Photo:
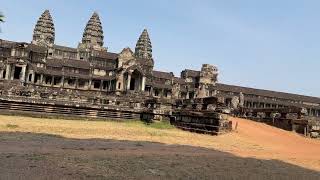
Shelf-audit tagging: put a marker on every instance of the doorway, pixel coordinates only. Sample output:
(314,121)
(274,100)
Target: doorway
(17,72)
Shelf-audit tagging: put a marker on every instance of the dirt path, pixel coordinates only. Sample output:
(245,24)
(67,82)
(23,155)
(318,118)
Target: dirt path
(60,149)
(281,144)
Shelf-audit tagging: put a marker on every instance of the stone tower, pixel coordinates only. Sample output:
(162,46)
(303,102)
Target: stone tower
(93,33)
(43,33)
(143,46)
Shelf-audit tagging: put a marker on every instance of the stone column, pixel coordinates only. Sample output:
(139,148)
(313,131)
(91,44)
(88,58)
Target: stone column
(77,83)
(143,83)
(89,84)
(41,79)
(52,80)
(109,85)
(13,52)
(151,91)
(128,81)
(62,82)
(23,73)
(12,69)
(8,68)
(101,85)
(33,77)
(1,74)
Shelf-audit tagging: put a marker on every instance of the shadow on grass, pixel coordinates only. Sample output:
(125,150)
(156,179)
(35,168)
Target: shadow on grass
(46,156)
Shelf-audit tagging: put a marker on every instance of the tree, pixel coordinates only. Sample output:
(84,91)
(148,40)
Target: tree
(1,17)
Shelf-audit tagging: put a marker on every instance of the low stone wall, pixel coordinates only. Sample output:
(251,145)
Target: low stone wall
(36,108)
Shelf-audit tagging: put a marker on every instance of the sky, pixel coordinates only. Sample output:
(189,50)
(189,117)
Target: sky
(266,44)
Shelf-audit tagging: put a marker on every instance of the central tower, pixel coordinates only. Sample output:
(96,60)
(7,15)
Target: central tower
(93,34)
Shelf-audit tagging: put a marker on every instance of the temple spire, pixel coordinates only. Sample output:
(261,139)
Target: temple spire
(93,33)
(143,46)
(43,33)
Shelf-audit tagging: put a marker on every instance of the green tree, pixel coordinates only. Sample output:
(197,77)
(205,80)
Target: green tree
(1,17)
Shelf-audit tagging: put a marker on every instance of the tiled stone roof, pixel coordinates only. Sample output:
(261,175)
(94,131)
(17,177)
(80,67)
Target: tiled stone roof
(65,48)
(162,75)
(267,93)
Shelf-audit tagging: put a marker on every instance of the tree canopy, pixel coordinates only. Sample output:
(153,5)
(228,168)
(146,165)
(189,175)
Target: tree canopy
(1,17)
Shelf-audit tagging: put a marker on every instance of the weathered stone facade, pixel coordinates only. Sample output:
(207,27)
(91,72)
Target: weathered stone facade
(42,70)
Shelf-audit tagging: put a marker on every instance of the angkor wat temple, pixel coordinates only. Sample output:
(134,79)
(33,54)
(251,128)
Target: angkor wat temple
(90,75)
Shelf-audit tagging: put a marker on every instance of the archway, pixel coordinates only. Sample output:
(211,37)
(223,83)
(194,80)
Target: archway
(135,81)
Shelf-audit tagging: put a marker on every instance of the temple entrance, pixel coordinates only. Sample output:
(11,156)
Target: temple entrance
(132,84)
(135,81)
(37,78)
(17,72)
(4,74)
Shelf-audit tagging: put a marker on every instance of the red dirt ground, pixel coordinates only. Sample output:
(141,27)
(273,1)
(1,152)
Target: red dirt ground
(59,149)
(281,144)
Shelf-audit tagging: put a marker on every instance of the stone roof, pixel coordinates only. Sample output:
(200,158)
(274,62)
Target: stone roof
(267,93)
(77,63)
(162,75)
(7,44)
(179,80)
(36,48)
(105,55)
(68,63)
(70,74)
(55,62)
(52,72)
(190,73)
(158,85)
(65,48)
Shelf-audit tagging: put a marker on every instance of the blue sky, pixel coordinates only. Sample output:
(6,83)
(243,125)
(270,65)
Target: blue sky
(268,44)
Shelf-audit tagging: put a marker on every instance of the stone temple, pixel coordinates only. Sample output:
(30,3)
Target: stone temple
(46,73)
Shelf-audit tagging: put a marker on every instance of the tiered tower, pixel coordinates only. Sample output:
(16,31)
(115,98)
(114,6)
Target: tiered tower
(93,33)
(43,33)
(143,46)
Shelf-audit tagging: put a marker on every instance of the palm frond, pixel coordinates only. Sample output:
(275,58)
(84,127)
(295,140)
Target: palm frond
(1,18)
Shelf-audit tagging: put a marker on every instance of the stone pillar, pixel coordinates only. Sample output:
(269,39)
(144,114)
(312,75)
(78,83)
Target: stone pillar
(1,74)
(52,80)
(8,68)
(76,83)
(62,82)
(89,84)
(13,52)
(128,81)
(101,85)
(143,83)
(151,91)
(41,78)
(33,77)
(109,85)
(23,73)
(12,69)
